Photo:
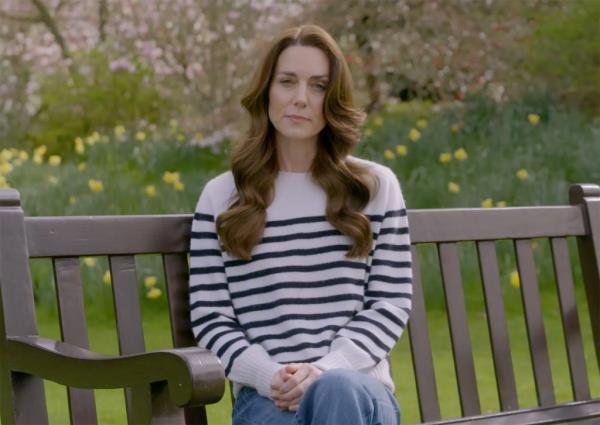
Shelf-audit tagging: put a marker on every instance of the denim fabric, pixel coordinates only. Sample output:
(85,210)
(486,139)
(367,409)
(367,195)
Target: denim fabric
(337,397)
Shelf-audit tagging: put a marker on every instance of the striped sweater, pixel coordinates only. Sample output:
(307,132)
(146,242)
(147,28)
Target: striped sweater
(300,299)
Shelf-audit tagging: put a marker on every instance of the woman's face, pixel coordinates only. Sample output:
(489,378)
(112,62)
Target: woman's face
(298,90)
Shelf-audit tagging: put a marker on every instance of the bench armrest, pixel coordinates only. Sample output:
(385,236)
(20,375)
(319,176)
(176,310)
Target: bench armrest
(194,376)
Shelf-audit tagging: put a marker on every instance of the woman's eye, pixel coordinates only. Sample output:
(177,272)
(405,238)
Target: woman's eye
(321,87)
(285,81)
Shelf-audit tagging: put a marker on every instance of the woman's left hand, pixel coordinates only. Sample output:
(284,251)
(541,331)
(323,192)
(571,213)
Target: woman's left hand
(292,390)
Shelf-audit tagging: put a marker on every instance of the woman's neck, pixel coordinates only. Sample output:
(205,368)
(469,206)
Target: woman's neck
(296,155)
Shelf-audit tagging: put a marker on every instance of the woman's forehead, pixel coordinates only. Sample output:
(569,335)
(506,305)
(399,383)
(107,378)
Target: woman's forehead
(303,61)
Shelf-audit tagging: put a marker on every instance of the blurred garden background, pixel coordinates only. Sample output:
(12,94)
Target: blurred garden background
(130,106)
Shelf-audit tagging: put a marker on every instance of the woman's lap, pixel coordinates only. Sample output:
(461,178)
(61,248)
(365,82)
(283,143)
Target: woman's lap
(338,397)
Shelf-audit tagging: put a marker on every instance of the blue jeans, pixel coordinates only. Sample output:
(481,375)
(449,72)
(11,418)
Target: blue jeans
(337,397)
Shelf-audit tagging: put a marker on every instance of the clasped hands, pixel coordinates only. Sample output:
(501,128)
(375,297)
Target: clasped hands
(290,383)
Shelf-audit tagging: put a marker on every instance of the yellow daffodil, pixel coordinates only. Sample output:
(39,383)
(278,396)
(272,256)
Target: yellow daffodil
(54,160)
(487,203)
(515,280)
(6,155)
(72,200)
(6,168)
(119,131)
(533,119)
(150,282)
(445,157)
(173,123)
(501,204)
(38,159)
(24,156)
(178,186)
(455,128)
(460,154)
(140,136)
(414,134)
(154,293)
(3,183)
(401,150)
(40,150)
(106,278)
(89,261)
(171,177)
(453,187)
(79,146)
(150,190)
(368,132)
(95,185)
(180,137)
(199,135)
(388,154)
(92,139)
(422,123)
(53,180)
(81,166)
(378,121)
(523,174)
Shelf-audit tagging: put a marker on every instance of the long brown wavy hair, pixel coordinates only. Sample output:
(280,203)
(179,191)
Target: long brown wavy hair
(348,185)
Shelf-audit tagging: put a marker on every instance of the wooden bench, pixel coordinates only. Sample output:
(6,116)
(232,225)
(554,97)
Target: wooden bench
(171,386)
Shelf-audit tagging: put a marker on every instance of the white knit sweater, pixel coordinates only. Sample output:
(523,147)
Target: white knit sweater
(300,299)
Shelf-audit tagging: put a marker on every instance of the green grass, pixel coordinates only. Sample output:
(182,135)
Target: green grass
(110,403)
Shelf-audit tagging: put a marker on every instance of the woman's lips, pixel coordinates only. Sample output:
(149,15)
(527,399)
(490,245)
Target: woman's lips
(297,118)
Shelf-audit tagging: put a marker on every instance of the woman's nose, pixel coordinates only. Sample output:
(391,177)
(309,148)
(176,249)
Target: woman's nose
(300,95)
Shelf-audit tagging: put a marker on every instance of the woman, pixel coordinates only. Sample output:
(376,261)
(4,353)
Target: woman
(300,278)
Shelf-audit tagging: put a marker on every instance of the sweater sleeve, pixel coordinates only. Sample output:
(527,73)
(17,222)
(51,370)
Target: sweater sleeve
(214,323)
(372,332)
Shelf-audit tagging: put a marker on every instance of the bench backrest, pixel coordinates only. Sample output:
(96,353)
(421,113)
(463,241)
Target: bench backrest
(121,238)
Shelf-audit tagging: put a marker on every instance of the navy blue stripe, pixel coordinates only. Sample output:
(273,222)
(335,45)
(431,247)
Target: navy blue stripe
(203,235)
(389,279)
(214,325)
(299,347)
(298,268)
(207,270)
(293,332)
(204,319)
(381,326)
(390,213)
(386,313)
(290,285)
(366,350)
(205,252)
(298,220)
(211,303)
(394,231)
(299,301)
(369,335)
(232,358)
(216,336)
(393,247)
(306,235)
(296,316)
(208,287)
(390,263)
(228,344)
(289,253)
(387,294)
(204,217)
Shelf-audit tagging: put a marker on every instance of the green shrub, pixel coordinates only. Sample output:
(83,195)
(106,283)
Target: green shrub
(564,52)
(94,97)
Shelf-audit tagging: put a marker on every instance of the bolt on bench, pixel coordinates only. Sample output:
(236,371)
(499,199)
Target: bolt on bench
(172,386)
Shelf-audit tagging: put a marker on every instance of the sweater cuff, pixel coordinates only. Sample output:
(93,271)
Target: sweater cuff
(344,354)
(255,368)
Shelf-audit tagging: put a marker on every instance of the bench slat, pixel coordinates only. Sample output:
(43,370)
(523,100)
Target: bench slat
(459,331)
(494,306)
(570,320)
(176,273)
(129,329)
(420,348)
(474,224)
(69,294)
(535,325)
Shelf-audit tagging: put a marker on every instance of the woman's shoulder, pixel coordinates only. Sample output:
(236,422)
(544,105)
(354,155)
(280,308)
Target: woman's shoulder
(220,190)
(384,174)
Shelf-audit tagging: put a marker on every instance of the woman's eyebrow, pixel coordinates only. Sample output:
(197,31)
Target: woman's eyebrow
(293,74)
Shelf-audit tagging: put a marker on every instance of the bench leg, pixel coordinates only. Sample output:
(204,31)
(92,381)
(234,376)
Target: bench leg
(22,399)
